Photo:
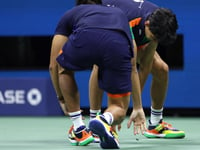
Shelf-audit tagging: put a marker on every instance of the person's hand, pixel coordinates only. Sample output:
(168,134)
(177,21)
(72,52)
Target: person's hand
(138,118)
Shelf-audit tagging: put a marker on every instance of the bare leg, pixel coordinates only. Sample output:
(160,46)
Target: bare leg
(118,108)
(159,82)
(95,93)
(62,105)
(70,91)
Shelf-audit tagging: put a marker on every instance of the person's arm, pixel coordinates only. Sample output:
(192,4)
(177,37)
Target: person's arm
(136,90)
(137,116)
(145,59)
(57,44)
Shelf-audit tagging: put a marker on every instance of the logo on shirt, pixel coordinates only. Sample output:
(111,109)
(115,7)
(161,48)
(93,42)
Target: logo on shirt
(139,1)
(109,5)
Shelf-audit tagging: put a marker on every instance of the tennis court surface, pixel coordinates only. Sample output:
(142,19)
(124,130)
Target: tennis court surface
(50,133)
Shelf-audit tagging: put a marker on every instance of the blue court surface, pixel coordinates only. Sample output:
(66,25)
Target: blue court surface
(50,133)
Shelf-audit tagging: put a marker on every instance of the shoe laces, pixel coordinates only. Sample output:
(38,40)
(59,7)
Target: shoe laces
(82,136)
(85,132)
(166,125)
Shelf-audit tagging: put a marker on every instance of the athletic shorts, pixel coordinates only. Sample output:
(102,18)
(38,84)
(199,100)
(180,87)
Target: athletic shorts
(108,49)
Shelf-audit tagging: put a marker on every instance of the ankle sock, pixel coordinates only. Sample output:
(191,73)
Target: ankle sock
(108,117)
(77,120)
(156,116)
(93,113)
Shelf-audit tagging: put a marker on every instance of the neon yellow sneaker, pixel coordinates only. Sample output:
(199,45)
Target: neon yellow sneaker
(163,130)
(100,127)
(80,137)
(97,139)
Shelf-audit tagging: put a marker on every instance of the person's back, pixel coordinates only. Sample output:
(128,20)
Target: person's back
(132,8)
(93,16)
(137,13)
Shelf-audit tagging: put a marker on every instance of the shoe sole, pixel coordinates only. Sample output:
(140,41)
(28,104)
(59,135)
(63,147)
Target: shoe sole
(73,142)
(96,140)
(82,143)
(166,136)
(86,141)
(107,141)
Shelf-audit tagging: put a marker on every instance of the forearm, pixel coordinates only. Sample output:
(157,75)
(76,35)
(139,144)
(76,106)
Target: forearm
(146,57)
(55,81)
(143,75)
(57,44)
(136,90)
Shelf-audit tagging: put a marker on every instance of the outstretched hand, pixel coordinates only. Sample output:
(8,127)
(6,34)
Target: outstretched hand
(138,118)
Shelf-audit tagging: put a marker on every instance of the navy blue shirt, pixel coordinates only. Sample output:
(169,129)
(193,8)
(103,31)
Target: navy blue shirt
(93,16)
(137,12)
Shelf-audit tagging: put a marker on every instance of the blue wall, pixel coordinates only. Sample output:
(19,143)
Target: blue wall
(31,17)
(184,85)
(36,17)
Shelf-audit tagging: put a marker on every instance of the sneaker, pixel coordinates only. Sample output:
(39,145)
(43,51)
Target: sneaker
(71,136)
(100,127)
(114,132)
(163,130)
(80,137)
(96,138)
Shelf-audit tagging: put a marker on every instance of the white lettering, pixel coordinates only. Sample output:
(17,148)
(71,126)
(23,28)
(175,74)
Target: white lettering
(1,98)
(9,97)
(12,97)
(139,1)
(19,96)
(34,96)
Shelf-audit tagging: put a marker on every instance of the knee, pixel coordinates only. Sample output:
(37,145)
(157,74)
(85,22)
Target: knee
(161,71)
(118,108)
(164,69)
(120,117)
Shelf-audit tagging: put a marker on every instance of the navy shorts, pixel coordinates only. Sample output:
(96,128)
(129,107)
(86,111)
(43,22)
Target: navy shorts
(108,49)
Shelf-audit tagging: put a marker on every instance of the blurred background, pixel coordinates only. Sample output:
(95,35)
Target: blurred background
(26,31)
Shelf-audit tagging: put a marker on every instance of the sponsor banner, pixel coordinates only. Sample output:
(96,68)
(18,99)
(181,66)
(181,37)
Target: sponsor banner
(28,96)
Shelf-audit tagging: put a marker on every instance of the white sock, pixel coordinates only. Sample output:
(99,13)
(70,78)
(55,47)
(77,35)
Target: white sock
(108,117)
(76,118)
(93,113)
(156,116)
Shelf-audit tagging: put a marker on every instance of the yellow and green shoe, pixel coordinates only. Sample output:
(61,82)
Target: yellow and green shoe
(100,127)
(80,137)
(163,130)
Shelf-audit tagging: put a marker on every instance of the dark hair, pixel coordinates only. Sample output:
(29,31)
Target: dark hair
(79,2)
(163,24)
